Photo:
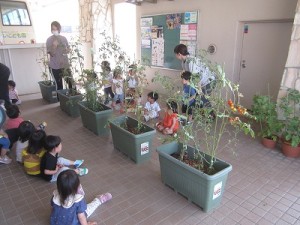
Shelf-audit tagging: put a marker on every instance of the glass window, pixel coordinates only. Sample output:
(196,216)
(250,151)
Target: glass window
(14,14)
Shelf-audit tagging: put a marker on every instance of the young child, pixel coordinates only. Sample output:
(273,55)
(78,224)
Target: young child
(118,82)
(170,123)
(132,81)
(52,164)
(13,93)
(14,119)
(151,109)
(189,95)
(108,78)
(4,140)
(68,204)
(32,155)
(25,130)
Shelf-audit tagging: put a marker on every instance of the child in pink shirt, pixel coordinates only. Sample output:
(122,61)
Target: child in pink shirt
(14,119)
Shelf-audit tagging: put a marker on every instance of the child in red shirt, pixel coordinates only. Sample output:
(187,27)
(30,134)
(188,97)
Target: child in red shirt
(170,123)
(14,119)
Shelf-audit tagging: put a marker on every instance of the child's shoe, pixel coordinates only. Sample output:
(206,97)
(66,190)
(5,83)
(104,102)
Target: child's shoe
(5,160)
(82,171)
(105,197)
(78,163)
(42,125)
(147,118)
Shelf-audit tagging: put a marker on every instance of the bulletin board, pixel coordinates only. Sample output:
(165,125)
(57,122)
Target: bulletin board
(161,33)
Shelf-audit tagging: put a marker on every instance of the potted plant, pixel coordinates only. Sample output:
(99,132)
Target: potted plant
(264,109)
(94,114)
(130,135)
(189,164)
(69,97)
(289,105)
(47,85)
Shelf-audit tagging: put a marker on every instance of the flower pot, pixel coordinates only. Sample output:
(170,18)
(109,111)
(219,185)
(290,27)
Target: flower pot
(48,92)
(68,104)
(204,190)
(95,121)
(289,151)
(136,146)
(268,143)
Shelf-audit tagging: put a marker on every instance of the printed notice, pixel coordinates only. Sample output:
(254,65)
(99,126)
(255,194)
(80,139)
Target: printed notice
(146,22)
(190,17)
(158,52)
(144,148)
(217,190)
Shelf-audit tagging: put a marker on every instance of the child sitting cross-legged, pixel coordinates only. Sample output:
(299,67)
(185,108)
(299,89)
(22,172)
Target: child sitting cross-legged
(151,109)
(31,156)
(170,123)
(14,119)
(52,164)
(68,204)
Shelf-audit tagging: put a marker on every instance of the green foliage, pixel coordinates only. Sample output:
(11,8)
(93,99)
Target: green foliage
(264,109)
(223,120)
(43,61)
(291,124)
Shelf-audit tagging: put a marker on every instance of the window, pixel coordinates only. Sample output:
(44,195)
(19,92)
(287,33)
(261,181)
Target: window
(14,14)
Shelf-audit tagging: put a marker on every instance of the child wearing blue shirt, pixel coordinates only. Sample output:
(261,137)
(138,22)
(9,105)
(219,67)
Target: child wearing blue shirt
(189,95)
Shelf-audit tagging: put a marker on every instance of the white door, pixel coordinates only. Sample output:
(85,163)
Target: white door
(264,52)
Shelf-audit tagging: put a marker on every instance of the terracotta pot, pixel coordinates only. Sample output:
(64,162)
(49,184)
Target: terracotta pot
(289,151)
(268,143)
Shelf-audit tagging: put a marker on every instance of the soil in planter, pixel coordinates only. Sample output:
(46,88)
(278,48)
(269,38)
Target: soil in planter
(197,164)
(133,129)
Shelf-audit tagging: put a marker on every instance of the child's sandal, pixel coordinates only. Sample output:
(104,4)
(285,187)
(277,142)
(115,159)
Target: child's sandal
(82,171)
(78,163)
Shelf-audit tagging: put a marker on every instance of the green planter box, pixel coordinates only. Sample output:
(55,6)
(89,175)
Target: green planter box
(136,146)
(204,190)
(69,104)
(95,121)
(48,92)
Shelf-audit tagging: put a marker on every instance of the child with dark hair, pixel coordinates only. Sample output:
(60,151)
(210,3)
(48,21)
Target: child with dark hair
(189,95)
(25,130)
(170,123)
(14,119)
(52,164)
(13,93)
(151,109)
(68,204)
(108,80)
(34,152)
(118,83)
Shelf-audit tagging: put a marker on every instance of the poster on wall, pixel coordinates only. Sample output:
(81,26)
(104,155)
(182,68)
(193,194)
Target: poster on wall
(190,17)
(146,22)
(173,21)
(158,49)
(188,32)
(145,37)
(156,32)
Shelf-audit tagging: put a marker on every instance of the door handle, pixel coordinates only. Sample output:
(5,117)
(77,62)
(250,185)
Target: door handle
(243,64)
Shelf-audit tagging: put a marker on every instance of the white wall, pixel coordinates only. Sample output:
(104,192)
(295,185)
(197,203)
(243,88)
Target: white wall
(218,22)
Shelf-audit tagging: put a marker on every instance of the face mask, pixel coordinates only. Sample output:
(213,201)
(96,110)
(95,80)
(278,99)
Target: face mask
(55,32)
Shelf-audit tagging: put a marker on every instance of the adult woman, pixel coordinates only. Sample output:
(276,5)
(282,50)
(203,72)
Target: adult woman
(58,48)
(195,66)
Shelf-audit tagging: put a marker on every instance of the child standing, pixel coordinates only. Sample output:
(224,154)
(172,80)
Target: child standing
(25,130)
(108,78)
(118,82)
(13,113)
(52,164)
(170,123)
(13,93)
(189,95)
(151,109)
(131,80)
(34,152)
(68,204)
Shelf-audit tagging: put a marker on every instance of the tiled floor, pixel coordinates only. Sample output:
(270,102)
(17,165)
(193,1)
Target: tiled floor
(263,187)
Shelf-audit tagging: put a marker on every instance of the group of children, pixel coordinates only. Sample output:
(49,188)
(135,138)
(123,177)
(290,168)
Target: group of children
(40,155)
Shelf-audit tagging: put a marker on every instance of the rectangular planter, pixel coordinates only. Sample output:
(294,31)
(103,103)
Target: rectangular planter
(136,146)
(48,92)
(69,104)
(204,190)
(95,121)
